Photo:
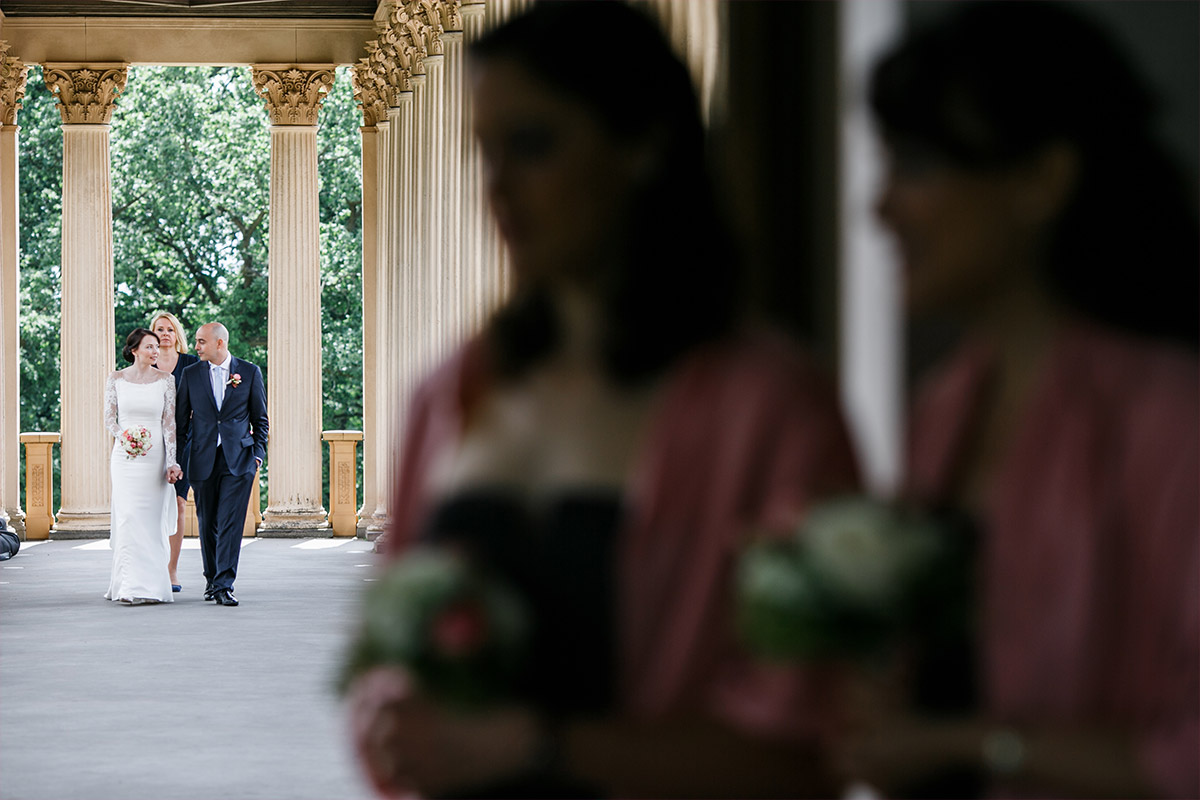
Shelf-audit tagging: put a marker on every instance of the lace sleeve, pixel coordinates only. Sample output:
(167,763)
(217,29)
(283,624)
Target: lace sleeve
(110,405)
(168,422)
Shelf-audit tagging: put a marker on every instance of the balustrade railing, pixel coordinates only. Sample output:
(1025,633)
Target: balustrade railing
(343,487)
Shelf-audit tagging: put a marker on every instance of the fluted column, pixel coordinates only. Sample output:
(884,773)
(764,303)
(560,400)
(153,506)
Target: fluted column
(393,58)
(86,99)
(473,212)
(293,94)
(367,93)
(12,91)
(384,277)
(496,268)
(405,283)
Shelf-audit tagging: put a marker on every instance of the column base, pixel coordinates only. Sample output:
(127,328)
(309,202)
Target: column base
(295,525)
(366,530)
(81,525)
(16,521)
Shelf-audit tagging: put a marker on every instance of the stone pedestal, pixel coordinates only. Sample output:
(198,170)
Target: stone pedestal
(87,95)
(293,94)
(343,483)
(39,483)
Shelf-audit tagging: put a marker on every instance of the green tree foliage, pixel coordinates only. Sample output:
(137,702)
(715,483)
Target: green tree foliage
(41,255)
(191,170)
(190,154)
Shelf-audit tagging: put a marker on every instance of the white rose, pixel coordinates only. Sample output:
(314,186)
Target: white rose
(864,550)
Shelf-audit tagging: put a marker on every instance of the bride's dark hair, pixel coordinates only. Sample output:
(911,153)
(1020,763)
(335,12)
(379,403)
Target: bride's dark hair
(134,340)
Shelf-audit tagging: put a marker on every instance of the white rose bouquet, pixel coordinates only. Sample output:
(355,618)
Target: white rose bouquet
(135,441)
(855,576)
(461,633)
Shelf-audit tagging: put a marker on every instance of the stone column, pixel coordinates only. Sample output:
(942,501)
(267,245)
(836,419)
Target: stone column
(367,93)
(86,99)
(473,211)
(404,280)
(293,94)
(455,165)
(382,441)
(12,91)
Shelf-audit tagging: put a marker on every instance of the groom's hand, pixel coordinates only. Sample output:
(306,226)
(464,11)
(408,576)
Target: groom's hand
(174,474)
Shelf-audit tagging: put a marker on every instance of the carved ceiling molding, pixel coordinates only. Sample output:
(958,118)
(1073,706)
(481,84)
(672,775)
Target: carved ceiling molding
(13,72)
(293,92)
(87,93)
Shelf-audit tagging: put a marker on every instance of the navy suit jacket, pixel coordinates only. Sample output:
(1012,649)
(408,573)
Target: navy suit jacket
(242,420)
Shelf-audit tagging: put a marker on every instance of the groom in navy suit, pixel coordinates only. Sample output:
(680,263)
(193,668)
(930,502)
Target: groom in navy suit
(221,408)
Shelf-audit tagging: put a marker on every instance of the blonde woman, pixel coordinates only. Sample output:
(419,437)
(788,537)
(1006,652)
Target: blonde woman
(173,357)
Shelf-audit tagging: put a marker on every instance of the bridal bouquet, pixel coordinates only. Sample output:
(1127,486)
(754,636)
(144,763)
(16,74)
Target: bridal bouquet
(460,633)
(854,576)
(135,441)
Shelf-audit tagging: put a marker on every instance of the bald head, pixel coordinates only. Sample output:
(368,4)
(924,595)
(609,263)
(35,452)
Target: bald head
(212,343)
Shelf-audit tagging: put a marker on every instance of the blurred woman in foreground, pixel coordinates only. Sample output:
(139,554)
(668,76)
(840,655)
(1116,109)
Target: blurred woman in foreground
(1032,205)
(607,444)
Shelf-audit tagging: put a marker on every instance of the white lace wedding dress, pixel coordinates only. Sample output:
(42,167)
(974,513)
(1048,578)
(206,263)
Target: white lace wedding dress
(144,512)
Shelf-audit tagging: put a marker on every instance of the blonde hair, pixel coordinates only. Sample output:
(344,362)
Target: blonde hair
(180,336)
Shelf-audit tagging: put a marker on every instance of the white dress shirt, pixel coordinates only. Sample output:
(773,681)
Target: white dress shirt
(219,375)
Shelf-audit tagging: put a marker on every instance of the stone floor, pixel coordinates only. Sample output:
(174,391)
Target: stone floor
(181,701)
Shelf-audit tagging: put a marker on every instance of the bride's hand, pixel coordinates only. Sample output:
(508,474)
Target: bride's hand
(174,474)
(408,743)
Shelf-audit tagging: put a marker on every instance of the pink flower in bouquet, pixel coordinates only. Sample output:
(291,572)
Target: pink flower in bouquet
(460,630)
(135,441)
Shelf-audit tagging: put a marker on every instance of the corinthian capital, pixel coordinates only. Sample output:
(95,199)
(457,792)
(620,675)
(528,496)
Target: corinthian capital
(293,91)
(369,92)
(12,85)
(87,93)
(448,14)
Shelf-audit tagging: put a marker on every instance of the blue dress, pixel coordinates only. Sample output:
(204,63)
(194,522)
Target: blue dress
(181,486)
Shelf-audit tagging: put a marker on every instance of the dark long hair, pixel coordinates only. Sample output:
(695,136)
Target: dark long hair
(677,284)
(991,83)
(134,340)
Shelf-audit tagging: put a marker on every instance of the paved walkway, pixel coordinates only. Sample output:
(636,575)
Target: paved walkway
(186,701)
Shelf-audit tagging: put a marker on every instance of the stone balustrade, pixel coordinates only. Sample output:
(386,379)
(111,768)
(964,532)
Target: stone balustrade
(343,488)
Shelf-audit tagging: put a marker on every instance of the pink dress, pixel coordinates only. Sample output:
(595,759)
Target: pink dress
(1091,548)
(748,434)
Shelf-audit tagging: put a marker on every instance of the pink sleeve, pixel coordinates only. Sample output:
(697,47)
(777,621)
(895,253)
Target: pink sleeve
(803,455)
(1162,476)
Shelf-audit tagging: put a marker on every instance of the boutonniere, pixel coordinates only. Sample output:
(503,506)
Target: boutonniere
(235,380)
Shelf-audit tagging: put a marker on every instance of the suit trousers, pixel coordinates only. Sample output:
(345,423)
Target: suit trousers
(221,501)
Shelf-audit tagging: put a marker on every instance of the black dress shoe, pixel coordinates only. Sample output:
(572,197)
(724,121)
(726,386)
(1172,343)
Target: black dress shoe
(210,593)
(225,597)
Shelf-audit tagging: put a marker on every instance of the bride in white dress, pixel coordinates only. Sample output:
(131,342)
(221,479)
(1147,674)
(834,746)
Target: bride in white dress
(143,502)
